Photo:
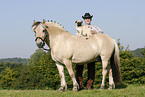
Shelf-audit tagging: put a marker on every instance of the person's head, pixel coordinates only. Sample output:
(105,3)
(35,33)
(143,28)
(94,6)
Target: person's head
(87,18)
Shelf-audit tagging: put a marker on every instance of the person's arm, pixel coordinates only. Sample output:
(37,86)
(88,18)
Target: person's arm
(97,29)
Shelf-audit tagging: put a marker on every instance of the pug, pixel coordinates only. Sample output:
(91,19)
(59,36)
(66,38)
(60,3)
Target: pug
(79,25)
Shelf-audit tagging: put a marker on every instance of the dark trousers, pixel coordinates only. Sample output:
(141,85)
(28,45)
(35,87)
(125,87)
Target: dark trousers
(91,75)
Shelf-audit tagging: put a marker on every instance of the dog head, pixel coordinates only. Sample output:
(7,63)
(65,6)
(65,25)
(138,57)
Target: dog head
(79,23)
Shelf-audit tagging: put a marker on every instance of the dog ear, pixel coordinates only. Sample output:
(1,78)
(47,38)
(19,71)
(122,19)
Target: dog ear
(34,22)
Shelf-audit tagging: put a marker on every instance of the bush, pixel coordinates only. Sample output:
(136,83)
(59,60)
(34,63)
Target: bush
(8,77)
(40,73)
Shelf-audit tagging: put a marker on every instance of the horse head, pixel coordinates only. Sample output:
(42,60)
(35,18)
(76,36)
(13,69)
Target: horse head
(40,33)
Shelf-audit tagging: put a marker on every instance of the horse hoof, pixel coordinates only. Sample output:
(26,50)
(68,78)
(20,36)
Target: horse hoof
(75,89)
(61,89)
(102,87)
(111,87)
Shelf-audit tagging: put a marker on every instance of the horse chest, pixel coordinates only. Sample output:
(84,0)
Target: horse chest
(58,57)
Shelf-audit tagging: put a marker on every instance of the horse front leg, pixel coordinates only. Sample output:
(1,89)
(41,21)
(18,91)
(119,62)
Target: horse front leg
(68,64)
(62,77)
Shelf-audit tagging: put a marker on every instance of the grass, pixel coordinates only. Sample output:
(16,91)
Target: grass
(129,91)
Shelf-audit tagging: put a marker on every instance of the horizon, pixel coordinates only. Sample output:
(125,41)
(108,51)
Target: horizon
(44,50)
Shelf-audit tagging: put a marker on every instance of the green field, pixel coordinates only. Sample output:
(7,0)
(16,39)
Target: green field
(129,91)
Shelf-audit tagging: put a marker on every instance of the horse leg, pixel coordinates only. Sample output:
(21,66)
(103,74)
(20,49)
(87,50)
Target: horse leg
(111,82)
(68,64)
(62,77)
(104,72)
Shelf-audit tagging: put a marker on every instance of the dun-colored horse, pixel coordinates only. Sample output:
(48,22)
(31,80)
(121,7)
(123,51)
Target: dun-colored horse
(67,49)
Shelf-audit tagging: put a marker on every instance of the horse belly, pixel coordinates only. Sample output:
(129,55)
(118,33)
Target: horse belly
(82,58)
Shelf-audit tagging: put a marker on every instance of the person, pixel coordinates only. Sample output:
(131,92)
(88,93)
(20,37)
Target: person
(86,30)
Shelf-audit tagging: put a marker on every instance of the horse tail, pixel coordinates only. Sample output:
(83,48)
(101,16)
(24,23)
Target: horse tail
(115,64)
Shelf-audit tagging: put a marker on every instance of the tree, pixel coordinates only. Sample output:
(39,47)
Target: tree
(132,67)
(143,52)
(40,72)
(8,77)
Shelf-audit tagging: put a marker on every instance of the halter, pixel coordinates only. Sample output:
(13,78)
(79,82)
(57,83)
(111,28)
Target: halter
(43,40)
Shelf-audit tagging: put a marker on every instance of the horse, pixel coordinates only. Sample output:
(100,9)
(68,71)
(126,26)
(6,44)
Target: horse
(67,49)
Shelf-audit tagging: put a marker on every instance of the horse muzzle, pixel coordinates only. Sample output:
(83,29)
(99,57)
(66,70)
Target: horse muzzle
(40,44)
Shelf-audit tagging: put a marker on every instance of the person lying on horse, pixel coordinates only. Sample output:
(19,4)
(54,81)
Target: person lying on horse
(86,30)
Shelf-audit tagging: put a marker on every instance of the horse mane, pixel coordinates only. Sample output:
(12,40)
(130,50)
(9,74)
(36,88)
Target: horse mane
(50,23)
(55,24)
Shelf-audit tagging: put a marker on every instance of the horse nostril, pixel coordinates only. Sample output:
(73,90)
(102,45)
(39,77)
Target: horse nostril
(39,44)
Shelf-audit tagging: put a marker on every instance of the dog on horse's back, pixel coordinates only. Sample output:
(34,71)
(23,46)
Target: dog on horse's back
(81,29)
(79,25)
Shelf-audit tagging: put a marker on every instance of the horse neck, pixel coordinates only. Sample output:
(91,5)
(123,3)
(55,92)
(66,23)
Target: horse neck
(55,32)
(55,29)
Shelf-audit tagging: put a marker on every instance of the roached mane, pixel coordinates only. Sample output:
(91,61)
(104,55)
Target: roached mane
(55,24)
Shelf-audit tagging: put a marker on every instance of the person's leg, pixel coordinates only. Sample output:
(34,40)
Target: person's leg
(91,75)
(79,77)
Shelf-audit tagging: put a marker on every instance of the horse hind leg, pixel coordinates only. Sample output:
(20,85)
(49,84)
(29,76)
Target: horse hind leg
(62,77)
(104,72)
(111,82)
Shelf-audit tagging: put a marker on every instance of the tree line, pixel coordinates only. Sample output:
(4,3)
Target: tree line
(15,60)
(40,72)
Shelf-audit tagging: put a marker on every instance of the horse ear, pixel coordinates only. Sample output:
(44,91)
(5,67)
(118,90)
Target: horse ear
(34,22)
(44,21)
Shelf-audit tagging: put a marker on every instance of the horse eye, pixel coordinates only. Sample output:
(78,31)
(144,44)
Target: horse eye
(44,30)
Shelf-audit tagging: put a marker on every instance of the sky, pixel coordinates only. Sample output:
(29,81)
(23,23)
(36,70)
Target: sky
(120,19)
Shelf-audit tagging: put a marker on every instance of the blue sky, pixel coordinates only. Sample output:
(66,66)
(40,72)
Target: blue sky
(120,19)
